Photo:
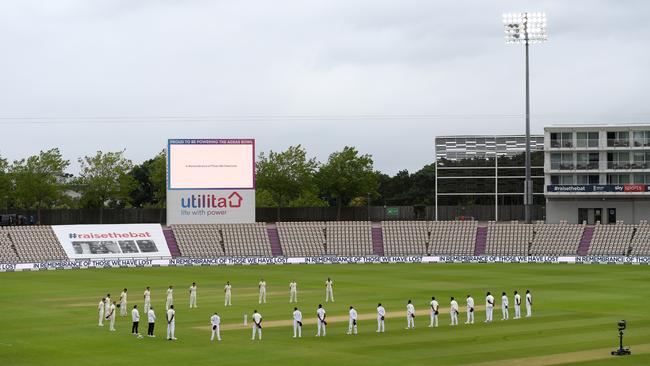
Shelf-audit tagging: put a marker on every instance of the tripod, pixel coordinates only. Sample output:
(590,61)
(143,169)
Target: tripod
(621,351)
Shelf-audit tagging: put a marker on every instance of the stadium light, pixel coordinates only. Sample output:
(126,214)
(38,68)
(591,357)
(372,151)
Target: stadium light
(527,28)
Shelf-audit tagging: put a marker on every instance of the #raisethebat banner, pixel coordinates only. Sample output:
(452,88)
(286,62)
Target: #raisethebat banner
(112,241)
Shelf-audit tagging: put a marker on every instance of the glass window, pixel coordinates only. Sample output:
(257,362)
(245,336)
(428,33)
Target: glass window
(555,179)
(588,179)
(555,160)
(555,141)
(618,160)
(587,139)
(638,138)
(587,160)
(618,139)
(640,178)
(618,178)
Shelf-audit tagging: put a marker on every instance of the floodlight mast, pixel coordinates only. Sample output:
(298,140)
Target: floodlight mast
(526,28)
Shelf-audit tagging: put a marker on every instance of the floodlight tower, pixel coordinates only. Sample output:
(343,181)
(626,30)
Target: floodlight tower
(527,28)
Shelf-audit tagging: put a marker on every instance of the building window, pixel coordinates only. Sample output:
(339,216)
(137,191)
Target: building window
(587,139)
(587,160)
(618,139)
(562,140)
(562,161)
(641,178)
(618,178)
(640,160)
(588,179)
(618,160)
(561,179)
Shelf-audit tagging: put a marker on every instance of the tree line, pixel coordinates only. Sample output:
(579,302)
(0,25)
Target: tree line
(288,178)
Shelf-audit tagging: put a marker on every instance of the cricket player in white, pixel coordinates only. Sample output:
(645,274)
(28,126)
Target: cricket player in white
(100,309)
(517,305)
(111,317)
(329,293)
(470,310)
(193,295)
(215,320)
(135,317)
(123,303)
(226,290)
(147,300)
(257,324)
(453,311)
(320,313)
(529,304)
(170,297)
(352,325)
(293,291)
(107,303)
(297,323)
(410,315)
(171,323)
(262,286)
(504,307)
(151,317)
(381,315)
(434,312)
(489,307)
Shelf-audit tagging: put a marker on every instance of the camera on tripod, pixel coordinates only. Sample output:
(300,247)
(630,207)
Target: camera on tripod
(621,325)
(621,351)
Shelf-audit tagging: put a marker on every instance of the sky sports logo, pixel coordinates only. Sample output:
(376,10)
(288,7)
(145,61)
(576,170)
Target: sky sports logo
(113,235)
(233,200)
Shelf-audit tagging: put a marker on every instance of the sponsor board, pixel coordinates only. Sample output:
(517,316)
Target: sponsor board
(596,188)
(112,241)
(231,261)
(210,206)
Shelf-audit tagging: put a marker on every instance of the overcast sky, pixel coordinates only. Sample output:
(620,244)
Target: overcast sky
(384,76)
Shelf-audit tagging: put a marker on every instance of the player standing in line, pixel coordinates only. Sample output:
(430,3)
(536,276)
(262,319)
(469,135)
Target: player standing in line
(352,325)
(504,307)
(489,306)
(297,323)
(135,317)
(434,312)
(170,297)
(215,320)
(381,315)
(226,290)
(111,317)
(320,313)
(293,291)
(262,287)
(123,303)
(529,304)
(453,311)
(517,305)
(107,304)
(193,296)
(410,315)
(329,293)
(470,310)
(100,309)
(151,318)
(171,323)
(147,299)
(257,324)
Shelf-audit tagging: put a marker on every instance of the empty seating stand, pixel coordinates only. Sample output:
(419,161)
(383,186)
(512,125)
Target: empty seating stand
(508,239)
(405,237)
(349,238)
(452,237)
(231,240)
(199,241)
(7,249)
(641,241)
(33,243)
(302,239)
(611,239)
(556,239)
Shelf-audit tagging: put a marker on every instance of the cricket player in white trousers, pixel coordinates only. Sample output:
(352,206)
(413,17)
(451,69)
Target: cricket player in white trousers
(434,312)
(147,299)
(381,315)
(123,303)
(410,315)
(293,291)
(489,307)
(320,313)
(453,311)
(193,295)
(529,304)
(135,318)
(352,325)
(151,317)
(297,323)
(470,310)
(329,293)
(215,321)
(170,297)
(107,304)
(111,317)
(171,323)
(226,290)
(257,324)
(100,309)
(262,286)
(505,314)
(517,305)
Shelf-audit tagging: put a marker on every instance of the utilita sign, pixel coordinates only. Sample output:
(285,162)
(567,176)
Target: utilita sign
(210,206)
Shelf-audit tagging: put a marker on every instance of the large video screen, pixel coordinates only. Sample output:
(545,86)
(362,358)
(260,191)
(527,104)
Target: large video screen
(211,164)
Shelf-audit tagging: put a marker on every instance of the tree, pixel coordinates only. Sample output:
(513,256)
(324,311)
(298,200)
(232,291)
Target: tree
(286,175)
(40,180)
(104,181)
(347,175)
(5,184)
(149,179)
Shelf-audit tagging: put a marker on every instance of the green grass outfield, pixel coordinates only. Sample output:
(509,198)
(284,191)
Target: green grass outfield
(50,318)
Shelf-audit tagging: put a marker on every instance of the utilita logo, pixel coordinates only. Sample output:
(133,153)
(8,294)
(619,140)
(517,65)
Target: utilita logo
(233,200)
